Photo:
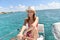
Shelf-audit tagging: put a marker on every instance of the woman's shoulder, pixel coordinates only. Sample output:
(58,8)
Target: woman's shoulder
(26,19)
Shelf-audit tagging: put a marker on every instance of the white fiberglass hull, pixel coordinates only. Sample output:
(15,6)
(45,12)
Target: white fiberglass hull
(40,38)
(56,30)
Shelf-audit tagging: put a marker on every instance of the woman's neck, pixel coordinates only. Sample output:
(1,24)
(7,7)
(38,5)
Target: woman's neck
(31,18)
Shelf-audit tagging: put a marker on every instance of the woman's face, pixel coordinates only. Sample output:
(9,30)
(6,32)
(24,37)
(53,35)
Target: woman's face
(30,13)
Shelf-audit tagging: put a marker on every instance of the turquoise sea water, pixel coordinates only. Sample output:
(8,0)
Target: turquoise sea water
(9,23)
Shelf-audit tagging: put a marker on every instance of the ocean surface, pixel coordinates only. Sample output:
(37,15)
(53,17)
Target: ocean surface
(9,23)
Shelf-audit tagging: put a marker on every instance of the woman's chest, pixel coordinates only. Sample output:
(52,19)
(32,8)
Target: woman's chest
(30,22)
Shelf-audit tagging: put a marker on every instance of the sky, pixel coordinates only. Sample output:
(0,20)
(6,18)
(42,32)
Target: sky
(21,5)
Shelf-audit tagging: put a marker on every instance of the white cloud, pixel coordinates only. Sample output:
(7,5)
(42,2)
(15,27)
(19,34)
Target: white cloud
(20,7)
(11,7)
(1,7)
(52,5)
(42,6)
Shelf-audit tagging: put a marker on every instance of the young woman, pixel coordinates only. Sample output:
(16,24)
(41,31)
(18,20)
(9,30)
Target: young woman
(32,32)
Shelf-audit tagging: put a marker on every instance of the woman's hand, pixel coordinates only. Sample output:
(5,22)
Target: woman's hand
(25,32)
(19,36)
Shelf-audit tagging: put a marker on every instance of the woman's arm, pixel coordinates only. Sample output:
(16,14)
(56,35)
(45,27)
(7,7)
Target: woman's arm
(31,28)
(22,30)
(23,27)
(36,21)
